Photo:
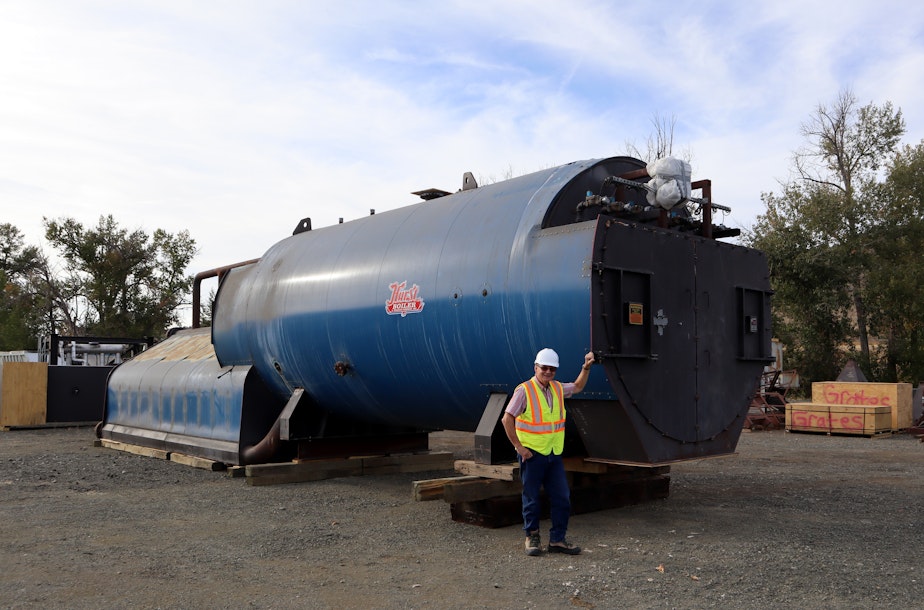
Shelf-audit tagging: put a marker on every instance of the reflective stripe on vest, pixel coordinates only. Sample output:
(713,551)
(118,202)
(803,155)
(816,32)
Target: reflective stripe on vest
(541,426)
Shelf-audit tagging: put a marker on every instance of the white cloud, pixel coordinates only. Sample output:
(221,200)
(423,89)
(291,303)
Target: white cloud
(235,120)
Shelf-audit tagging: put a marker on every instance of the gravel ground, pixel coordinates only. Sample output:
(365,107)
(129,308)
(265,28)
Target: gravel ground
(793,520)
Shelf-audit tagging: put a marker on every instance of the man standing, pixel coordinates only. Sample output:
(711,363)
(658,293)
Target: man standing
(535,423)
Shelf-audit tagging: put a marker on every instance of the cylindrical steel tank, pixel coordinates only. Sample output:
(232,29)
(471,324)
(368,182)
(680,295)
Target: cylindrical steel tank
(475,287)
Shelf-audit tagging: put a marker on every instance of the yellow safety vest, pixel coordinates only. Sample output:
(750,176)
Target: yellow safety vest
(541,426)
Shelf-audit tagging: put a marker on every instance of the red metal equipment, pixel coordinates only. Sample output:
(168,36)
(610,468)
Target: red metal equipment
(768,407)
(918,428)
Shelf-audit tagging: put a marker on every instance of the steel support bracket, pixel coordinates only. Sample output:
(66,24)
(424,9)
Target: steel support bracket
(491,443)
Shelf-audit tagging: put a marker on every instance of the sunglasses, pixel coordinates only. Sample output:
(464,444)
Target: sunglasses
(547,369)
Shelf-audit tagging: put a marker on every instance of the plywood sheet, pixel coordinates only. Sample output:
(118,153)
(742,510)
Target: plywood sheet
(896,396)
(838,419)
(23,393)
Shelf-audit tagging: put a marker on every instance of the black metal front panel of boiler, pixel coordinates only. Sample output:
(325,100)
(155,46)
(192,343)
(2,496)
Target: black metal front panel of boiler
(683,326)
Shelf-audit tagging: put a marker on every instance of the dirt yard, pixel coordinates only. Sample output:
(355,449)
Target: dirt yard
(793,520)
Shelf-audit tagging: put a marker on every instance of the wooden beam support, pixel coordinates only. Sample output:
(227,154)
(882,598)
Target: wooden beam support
(197,462)
(316,470)
(432,489)
(135,449)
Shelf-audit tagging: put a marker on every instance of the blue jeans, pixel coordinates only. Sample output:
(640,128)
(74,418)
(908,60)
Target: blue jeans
(545,471)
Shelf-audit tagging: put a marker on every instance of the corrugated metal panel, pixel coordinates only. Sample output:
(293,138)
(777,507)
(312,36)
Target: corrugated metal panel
(176,396)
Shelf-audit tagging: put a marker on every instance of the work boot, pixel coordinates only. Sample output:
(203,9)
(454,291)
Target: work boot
(533,544)
(564,547)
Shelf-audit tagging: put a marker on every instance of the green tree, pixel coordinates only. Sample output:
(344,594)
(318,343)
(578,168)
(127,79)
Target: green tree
(207,309)
(897,245)
(120,283)
(811,303)
(824,235)
(16,259)
(17,303)
(845,147)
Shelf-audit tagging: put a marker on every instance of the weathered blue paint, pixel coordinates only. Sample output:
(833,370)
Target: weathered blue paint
(494,289)
(176,396)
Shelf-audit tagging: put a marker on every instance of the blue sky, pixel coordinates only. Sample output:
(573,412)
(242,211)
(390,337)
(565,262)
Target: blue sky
(236,119)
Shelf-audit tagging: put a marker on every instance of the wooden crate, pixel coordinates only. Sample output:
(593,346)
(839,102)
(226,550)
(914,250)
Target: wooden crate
(838,419)
(23,393)
(895,396)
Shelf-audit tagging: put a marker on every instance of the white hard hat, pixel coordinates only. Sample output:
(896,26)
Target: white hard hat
(547,357)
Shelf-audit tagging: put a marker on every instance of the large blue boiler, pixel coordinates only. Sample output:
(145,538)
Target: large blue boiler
(411,320)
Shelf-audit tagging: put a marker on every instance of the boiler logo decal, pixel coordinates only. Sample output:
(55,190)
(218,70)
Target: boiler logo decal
(403,300)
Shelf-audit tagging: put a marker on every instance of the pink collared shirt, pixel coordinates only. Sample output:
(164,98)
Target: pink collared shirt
(517,403)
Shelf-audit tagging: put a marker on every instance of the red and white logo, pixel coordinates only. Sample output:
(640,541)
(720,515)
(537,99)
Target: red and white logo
(403,300)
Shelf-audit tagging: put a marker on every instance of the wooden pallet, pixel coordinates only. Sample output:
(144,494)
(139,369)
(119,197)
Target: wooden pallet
(506,510)
(489,495)
(879,434)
